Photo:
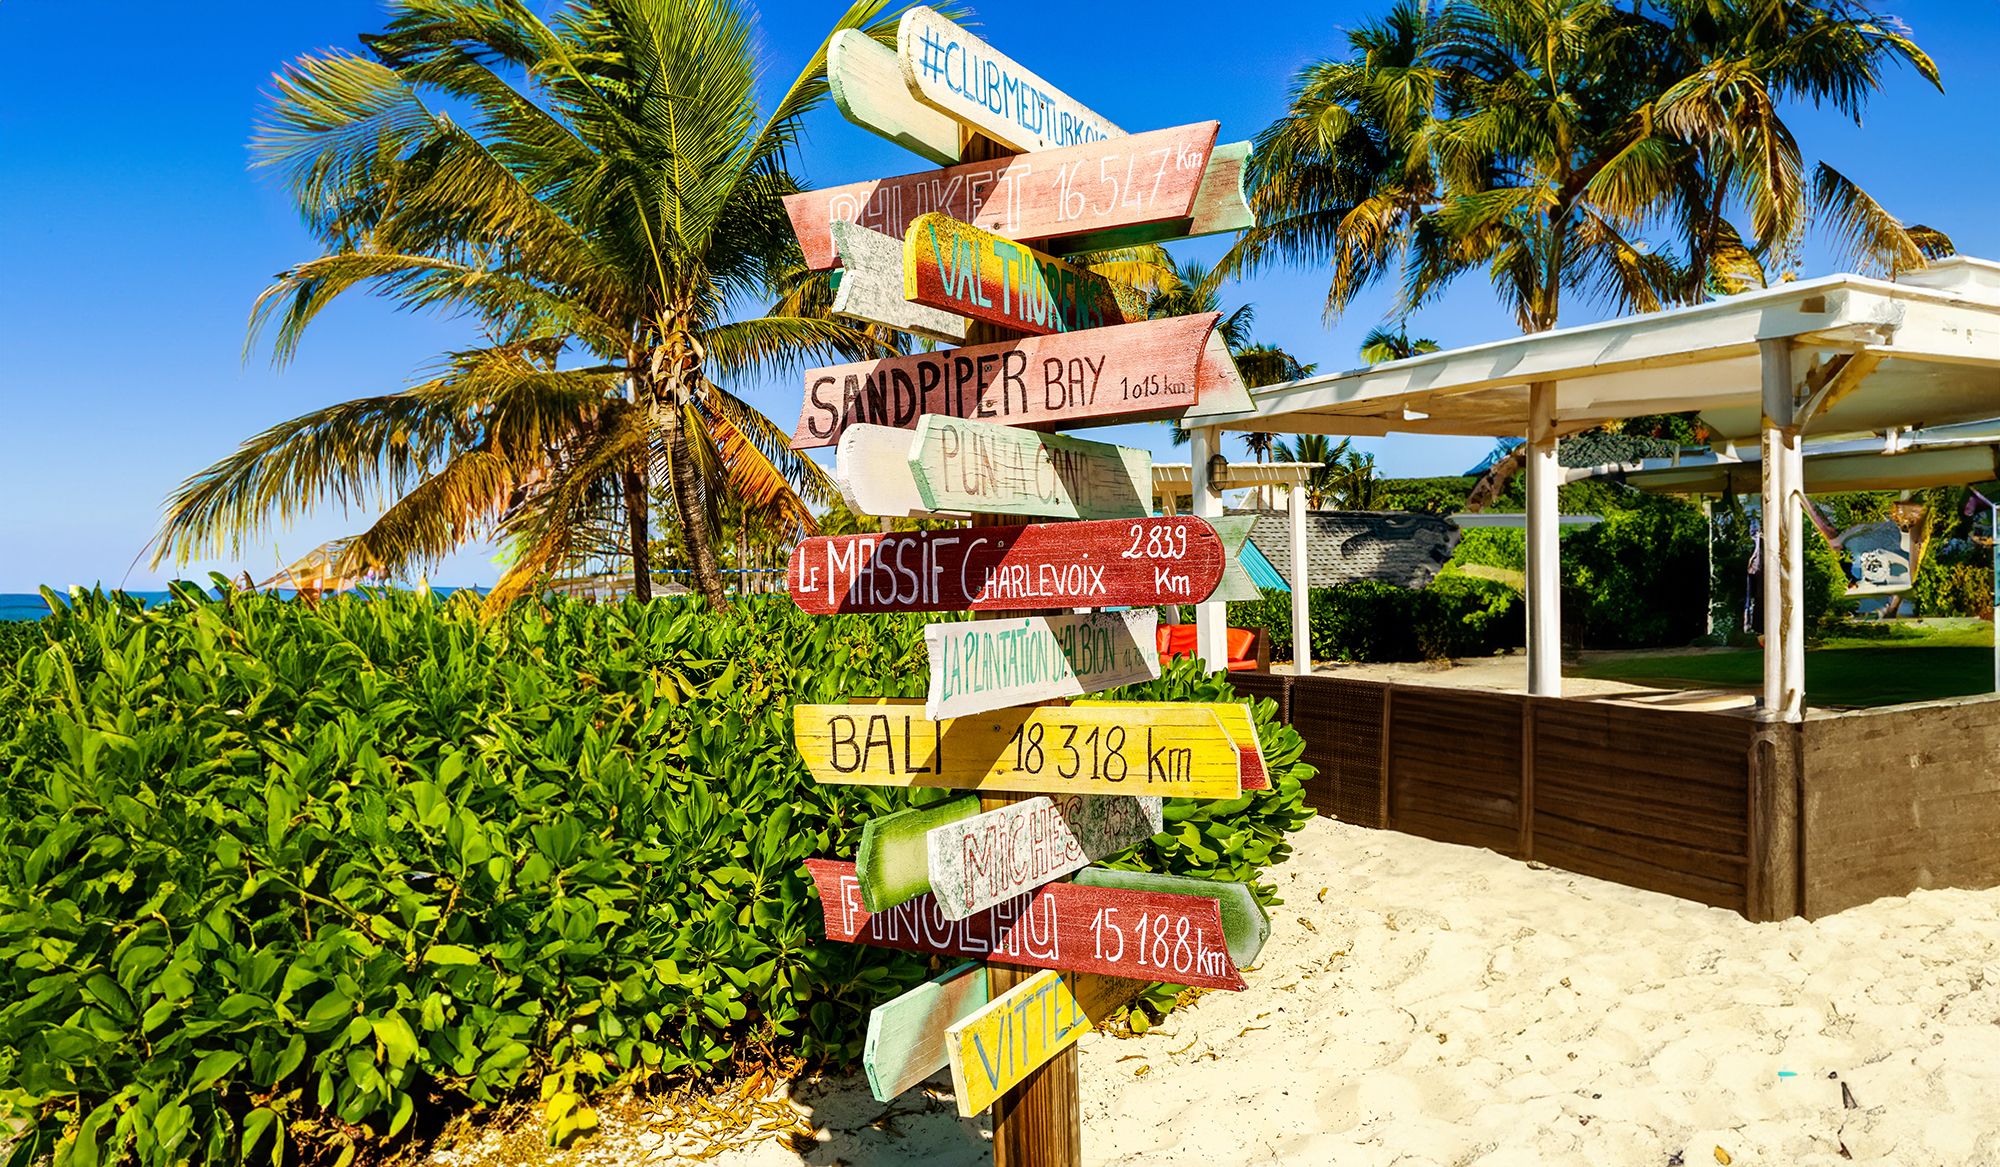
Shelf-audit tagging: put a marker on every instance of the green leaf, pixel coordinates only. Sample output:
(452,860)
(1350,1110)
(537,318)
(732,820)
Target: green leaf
(450,954)
(212,1068)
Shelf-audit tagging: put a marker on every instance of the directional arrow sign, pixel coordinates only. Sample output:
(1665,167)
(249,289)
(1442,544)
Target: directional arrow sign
(1245,923)
(978,666)
(893,862)
(1236,584)
(992,1050)
(1159,181)
(949,69)
(962,465)
(868,89)
(985,859)
(954,267)
(1130,372)
(869,287)
(872,467)
(1236,722)
(1141,935)
(906,1036)
(1165,749)
(1106,563)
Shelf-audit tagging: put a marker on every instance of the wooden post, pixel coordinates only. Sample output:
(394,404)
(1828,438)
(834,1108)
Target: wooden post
(1783,542)
(1039,1123)
(1544,546)
(1302,656)
(1210,619)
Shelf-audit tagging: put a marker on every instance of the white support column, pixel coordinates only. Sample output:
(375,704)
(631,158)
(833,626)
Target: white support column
(1302,655)
(1544,531)
(1784,540)
(1210,619)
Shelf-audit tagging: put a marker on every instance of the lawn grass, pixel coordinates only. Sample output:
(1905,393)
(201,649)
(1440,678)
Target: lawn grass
(1859,666)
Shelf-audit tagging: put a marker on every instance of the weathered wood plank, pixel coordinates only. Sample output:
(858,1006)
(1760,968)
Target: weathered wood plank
(1116,932)
(985,859)
(953,71)
(962,465)
(1220,205)
(992,1050)
(1236,721)
(906,1036)
(1096,564)
(872,468)
(1166,749)
(1235,584)
(868,286)
(1151,186)
(1107,376)
(893,862)
(979,666)
(1245,923)
(1218,383)
(951,266)
(868,89)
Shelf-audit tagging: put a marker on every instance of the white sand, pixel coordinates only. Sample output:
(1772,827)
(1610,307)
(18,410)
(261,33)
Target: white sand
(1442,1005)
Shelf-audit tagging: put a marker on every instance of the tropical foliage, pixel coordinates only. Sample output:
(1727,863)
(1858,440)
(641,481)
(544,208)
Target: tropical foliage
(282,884)
(601,193)
(1345,477)
(1187,288)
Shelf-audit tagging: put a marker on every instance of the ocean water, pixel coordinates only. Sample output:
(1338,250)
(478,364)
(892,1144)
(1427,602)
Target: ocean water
(31,606)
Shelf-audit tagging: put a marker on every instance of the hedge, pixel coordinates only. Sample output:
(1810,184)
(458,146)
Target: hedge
(1368,621)
(291,884)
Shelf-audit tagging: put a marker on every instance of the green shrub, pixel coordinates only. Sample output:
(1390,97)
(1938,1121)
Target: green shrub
(1502,547)
(282,879)
(1368,621)
(1955,581)
(1429,496)
(18,637)
(1639,578)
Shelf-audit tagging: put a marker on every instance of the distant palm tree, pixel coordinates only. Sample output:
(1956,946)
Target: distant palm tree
(1573,146)
(601,184)
(1382,344)
(1184,289)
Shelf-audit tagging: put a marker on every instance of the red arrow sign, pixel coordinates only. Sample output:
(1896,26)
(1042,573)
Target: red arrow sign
(1150,936)
(1129,372)
(1097,564)
(1047,195)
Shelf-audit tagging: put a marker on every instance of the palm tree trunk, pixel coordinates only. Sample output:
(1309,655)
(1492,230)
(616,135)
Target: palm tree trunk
(685,492)
(636,504)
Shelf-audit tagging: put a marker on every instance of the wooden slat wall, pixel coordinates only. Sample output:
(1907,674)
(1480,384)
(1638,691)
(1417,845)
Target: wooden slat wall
(1341,722)
(1455,766)
(1275,686)
(1900,799)
(1651,798)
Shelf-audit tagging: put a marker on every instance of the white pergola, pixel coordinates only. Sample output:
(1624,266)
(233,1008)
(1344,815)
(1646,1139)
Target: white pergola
(1173,482)
(1844,355)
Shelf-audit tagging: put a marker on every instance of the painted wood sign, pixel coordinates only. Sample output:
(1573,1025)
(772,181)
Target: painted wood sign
(951,70)
(1152,183)
(1236,722)
(869,287)
(872,468)
(1235,584)
(893,862)
(1245,923)
(906,1036)
(981,860)
(979,666)
(954,267)
(868,89)
(1142,935)
(1129,372)
(963,465)
(1167,749)
(1010,1037)
(1105,563)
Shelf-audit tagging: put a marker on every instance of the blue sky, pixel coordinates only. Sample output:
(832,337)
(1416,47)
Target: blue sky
(134,238)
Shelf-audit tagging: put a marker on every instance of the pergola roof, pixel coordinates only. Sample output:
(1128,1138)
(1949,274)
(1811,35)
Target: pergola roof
(1923,350)
(1953,456)
(1178,477)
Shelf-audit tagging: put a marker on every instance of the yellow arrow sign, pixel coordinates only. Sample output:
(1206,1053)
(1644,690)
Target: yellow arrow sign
(1179,751)
(993,1049)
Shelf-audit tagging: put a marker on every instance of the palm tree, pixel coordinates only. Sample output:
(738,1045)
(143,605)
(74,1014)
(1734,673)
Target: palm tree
(1572,145)
(602,187)
(1382,344)
(1323,482)
(1187,288)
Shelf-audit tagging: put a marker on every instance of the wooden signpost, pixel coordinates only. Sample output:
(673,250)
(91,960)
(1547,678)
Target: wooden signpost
(951,70)
(954,267)
(1180,751)
(998,1045)
(1107,563)
(975,247)
(1141,188)
(1117,932)
(869,287)
(1245,923)
(962,465)
(985,859)
(980,666)
(1132,372)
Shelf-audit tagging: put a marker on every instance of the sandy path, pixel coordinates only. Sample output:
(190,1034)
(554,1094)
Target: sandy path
(1441,1005)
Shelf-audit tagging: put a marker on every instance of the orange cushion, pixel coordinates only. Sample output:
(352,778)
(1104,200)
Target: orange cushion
(1176,639)
(1179,640)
